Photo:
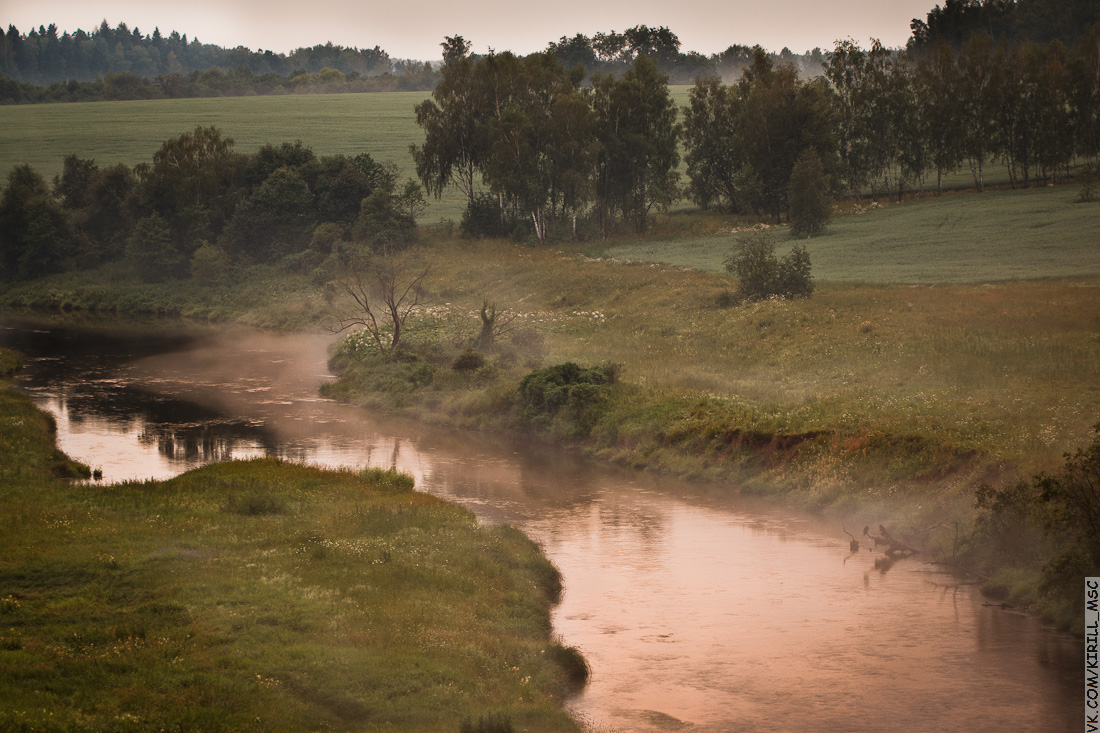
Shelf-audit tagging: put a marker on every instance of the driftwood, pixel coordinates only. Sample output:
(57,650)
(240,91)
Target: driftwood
(892,545)
(854,544)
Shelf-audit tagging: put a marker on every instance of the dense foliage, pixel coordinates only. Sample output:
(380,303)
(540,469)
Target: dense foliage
(1040,21)
(1051,521)
(199,208)
(547,150)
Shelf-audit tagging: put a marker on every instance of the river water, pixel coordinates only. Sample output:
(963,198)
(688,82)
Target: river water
(697,610)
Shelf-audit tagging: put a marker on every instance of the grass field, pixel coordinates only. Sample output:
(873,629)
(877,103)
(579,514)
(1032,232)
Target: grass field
(991,237)
(262,596)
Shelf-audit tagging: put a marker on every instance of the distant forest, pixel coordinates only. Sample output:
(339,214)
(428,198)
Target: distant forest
(46,65)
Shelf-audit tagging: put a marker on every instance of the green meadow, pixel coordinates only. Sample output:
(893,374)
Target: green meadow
(953,239)
(262,596)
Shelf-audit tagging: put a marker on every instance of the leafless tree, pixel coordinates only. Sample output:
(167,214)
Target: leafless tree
(494,324)
(383,297)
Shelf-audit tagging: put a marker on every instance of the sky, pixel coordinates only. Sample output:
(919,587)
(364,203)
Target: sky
(413,29)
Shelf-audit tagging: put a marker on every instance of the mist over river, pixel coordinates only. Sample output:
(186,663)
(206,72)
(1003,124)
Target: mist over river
(697,610)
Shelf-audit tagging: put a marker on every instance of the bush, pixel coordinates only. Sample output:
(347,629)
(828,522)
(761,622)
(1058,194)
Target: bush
(1064,509)
(482,218)
(210,264)
(762,275)
(568,393)
(468,361)
(150,250)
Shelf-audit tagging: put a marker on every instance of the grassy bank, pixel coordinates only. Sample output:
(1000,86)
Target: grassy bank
(262,596)
(872,402)
(264,296)
(872,399)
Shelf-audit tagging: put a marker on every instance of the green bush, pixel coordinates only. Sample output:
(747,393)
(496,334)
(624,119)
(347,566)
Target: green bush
(482,218)
(1051,522)
(569,393)
(762,275)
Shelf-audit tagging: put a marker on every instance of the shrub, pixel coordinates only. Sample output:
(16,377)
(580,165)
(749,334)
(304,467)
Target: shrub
(567,392)
(210,264)
(1090,189)
(150,250)
(1065,509)
(762,275)
(483,218)
(468,361)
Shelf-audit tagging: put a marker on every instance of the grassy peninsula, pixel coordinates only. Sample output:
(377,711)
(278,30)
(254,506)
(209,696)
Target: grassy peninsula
(262,596)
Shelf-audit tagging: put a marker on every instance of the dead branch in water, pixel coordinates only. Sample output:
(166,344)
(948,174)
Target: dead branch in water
(893,545)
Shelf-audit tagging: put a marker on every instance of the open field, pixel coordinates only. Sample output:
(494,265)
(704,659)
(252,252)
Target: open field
(952,239)
(262,596)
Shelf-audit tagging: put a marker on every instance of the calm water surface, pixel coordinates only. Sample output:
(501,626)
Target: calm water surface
(697,611)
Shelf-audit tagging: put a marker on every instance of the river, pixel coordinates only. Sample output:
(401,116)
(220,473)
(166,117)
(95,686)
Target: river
(696,609)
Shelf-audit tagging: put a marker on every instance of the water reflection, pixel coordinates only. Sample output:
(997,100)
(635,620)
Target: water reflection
(696,611)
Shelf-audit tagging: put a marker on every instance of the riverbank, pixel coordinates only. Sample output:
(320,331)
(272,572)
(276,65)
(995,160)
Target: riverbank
(876,403)
(263,595)
(873,404)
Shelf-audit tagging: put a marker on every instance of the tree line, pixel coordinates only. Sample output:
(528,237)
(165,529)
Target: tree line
(200,208)
(45,56)
(1034,21)
(534,149)
(215,82)
(530,148)
(119,63)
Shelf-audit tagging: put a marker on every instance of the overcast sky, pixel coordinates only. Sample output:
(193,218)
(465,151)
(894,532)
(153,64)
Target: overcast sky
(414,28)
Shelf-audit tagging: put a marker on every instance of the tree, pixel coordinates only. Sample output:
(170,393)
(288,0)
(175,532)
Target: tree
(194,175)
(714,163)
(941,108)
(810,203)
(638,134)
(276,220)
(384,223)
(150,250)
(36,234)
(383,296)
(455,48)
(451,152)
(779,118)
(975,63)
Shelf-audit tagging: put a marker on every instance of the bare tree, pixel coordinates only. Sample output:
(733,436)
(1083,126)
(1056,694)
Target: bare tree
(383,297)
(493,325)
